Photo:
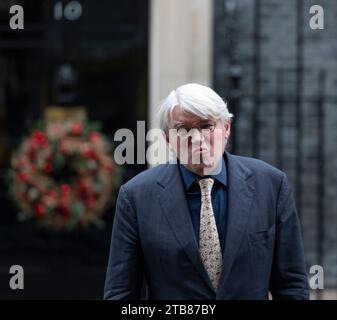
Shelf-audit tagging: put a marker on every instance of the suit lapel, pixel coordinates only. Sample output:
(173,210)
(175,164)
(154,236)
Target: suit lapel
(240,196)
(174,204)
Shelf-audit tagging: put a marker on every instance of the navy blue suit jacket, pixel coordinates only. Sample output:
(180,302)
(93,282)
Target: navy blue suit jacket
(153,235)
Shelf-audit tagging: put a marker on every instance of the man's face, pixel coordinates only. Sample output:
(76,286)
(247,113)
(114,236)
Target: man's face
(198,143)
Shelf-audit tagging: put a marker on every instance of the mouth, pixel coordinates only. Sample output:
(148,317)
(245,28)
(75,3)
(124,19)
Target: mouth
(200,150)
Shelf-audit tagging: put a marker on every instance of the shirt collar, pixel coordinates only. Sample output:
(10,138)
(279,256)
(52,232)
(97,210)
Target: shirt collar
(189,177)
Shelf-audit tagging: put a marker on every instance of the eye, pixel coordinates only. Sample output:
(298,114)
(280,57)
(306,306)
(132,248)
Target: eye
(207,126)
(182,131)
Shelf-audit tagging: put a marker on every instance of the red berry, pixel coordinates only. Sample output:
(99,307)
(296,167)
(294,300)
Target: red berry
(65,189)
(23,176)
(76,128)
(48,167)
(40,210)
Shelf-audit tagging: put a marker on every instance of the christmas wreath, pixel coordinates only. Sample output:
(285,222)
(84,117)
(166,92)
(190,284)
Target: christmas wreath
(62,174)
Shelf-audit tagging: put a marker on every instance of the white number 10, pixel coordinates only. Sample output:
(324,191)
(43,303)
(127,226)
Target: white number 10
(71,11)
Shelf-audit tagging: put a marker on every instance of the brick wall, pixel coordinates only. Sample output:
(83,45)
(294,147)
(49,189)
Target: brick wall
(278,108)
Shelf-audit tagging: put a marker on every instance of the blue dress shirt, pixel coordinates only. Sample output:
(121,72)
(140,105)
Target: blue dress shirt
(219,199)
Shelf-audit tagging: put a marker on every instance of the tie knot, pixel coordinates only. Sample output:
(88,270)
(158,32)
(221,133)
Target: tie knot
(206,186)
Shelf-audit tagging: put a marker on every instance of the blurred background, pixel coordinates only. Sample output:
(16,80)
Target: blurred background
(80,70)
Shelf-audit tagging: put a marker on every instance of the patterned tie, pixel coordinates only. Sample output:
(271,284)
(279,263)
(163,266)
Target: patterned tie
(209,244)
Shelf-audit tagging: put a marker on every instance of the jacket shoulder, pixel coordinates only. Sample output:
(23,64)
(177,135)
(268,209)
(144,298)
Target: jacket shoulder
(259,167)
(145,178)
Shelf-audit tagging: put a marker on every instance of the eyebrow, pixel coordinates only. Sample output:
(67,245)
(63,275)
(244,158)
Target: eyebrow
(203,121)
(178,123)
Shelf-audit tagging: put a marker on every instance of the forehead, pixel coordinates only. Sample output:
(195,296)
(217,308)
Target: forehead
(179,115)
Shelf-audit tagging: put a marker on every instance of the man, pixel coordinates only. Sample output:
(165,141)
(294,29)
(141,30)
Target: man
(212,226)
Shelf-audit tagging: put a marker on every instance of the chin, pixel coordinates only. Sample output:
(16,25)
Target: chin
(199,168)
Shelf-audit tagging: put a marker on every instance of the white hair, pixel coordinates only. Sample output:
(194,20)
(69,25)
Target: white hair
(196,99)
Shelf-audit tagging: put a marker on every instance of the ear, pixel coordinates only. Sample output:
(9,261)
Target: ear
(227,126)
(166,138)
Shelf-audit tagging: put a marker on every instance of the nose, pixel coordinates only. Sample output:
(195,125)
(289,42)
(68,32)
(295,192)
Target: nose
(197,137)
